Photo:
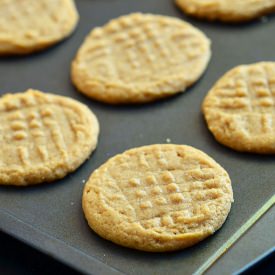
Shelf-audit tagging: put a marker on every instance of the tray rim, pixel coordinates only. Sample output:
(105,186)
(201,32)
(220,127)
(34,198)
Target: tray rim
(81,261)
(60,250)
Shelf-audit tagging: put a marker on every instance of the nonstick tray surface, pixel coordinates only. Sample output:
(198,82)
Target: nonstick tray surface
(49,216)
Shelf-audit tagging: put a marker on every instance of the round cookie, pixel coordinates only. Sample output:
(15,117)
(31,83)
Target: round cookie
(43,137)
(30,25)
(139,58)
(240,108)
(158,198)
(227,10)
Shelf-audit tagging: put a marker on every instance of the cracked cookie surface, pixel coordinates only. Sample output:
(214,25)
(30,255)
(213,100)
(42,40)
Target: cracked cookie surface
(158,198)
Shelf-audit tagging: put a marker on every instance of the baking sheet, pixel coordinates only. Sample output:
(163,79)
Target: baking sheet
(50,217)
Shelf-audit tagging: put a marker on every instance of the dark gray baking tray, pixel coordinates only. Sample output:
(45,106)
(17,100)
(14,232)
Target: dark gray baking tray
(49,216)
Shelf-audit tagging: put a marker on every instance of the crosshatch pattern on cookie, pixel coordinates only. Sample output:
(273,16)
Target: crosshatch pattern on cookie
(136,42)
(243,100)
(248,90)
(38,129)
(164,189)
(138,51)
(157,195)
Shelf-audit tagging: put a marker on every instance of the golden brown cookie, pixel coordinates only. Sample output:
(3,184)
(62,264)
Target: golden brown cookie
(140,58)
(43,137)
(240,108)
(227,10)
(158,198)
(31,25)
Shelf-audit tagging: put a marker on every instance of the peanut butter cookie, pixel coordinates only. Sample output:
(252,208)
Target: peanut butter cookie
(227,10)
(43,137)
(240,108)
(31,25)
(158,198)
(140,58)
